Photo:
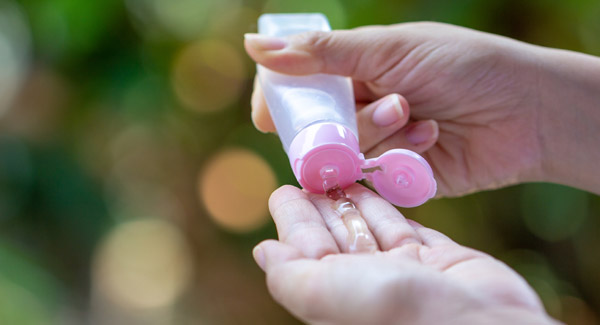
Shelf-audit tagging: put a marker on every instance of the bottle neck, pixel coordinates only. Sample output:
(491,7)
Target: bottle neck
(321,146)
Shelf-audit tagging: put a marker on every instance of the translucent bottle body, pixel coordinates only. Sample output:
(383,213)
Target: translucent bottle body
(315,117)
(296,102)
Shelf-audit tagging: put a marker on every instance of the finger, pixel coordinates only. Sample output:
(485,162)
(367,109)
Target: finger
(260,112)
(349,229)
(299,223)
(360,105)
(444,252)
(387,224)
(362,93)
(429,236)
(417,136)
(363,53)
(271,252)
(380,119)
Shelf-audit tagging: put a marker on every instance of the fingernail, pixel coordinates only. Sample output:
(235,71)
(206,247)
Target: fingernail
(420,132)
(388,112)
(265,43)
(259,257)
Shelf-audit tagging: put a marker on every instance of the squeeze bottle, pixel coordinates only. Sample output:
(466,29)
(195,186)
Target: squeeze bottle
(315,117)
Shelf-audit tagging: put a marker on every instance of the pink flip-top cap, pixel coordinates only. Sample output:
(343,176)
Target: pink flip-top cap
(401,176)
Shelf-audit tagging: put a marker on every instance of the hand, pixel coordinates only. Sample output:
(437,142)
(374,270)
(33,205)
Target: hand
(489,111)
(417,276)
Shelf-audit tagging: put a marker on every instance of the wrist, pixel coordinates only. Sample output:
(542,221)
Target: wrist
(568,117)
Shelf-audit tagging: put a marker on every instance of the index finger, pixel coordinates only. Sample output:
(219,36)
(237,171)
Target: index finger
(300,224)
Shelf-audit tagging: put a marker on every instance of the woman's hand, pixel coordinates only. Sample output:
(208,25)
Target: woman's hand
(487,111)
(417,276)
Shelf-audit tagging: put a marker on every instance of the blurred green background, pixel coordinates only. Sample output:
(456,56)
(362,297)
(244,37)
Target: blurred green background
(133,185)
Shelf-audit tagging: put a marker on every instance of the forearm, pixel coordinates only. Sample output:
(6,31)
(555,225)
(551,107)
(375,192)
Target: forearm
(569,118)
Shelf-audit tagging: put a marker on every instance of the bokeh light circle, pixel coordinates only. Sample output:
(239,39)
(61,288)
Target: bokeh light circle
(143,264)
(182,19)
(576,311)
(14,52)
(553,212)
(208,75)
(234,187)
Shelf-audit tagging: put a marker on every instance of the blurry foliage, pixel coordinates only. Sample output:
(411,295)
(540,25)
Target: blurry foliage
(98,137)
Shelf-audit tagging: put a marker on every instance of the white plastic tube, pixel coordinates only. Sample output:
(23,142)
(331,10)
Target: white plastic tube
(315,117)
(296,102)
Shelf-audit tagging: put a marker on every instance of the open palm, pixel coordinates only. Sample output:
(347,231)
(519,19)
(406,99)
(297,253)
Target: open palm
(418,275)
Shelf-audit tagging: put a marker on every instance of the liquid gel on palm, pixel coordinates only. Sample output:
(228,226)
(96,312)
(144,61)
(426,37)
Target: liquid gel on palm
(315,117)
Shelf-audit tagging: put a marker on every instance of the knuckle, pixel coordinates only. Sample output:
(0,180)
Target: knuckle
(316,41)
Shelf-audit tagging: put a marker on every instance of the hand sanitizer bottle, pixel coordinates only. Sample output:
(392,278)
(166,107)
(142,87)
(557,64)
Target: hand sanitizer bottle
(315,117)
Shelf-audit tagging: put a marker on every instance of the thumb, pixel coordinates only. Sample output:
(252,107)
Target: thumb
(362,53)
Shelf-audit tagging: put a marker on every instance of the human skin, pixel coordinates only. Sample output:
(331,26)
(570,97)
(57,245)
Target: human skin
(491,111)
(417,276)
(485,111)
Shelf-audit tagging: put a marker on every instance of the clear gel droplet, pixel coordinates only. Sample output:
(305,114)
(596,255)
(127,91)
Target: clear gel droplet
(359,238)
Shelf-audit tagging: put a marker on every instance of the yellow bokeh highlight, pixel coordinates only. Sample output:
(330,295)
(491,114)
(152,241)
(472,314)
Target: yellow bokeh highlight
(143,264)
(234,187)
(208,75)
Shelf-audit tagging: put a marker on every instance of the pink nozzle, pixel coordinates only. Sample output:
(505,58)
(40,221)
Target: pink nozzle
(402,177)
(324,146)
(324,155)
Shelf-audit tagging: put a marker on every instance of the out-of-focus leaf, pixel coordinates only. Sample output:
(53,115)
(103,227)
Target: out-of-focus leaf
(553,212)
